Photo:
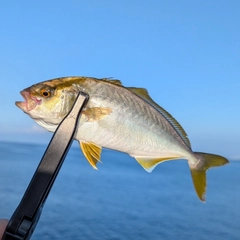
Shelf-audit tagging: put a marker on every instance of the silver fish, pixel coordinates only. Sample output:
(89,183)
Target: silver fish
(118,118)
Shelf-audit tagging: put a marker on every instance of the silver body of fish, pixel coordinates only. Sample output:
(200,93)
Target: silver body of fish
(118,118)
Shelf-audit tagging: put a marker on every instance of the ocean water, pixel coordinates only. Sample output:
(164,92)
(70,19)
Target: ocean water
(121,200)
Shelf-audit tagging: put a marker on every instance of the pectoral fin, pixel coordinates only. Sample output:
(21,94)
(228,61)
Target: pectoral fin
(150,163)
(96,113)
(92,152)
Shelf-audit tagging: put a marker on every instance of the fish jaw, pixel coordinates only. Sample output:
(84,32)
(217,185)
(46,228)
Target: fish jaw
(29,103)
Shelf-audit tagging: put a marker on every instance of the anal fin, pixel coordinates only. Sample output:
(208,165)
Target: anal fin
(150,163)
(92,152)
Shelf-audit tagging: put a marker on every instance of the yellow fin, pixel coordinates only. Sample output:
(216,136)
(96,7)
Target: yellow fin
(113,81)
(143,94)
(92,152)
(96,113)
(150,163)
(198,172)
(200,183)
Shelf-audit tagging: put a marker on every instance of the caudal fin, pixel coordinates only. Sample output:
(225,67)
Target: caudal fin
(198,172)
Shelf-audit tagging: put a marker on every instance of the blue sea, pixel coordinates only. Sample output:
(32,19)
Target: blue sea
(122,201)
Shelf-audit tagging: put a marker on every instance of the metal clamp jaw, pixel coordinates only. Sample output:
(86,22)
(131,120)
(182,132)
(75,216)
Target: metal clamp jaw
(27,214)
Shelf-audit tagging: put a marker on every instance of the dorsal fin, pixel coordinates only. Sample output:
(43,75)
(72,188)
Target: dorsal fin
(142,93)
(113,81)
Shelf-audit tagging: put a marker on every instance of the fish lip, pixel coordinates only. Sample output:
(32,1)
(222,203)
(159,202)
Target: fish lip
(29,103)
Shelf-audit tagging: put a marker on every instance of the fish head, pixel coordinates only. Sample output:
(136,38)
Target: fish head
(47,103)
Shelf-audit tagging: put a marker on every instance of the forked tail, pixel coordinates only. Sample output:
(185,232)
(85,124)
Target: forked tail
(205,161)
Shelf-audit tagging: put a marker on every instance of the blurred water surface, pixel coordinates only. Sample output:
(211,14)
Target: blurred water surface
(121,200)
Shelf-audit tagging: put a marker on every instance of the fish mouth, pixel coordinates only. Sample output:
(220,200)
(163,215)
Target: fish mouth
(29,103)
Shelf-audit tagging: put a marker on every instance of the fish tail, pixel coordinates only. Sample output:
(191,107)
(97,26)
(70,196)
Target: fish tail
(198,171)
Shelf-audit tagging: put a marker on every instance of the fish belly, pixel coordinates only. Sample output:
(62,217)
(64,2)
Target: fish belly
(129,134)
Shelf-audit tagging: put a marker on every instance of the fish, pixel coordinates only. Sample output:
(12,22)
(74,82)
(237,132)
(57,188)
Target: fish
(125,119)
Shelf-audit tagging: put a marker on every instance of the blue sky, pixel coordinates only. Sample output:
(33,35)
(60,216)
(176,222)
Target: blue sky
(186,53)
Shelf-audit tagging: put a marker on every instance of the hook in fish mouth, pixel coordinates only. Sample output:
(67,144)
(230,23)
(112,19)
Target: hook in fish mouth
(29,103)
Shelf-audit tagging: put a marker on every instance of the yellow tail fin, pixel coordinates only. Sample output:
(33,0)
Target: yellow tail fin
(205,162)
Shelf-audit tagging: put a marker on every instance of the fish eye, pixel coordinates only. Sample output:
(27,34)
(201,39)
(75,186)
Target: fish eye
(45,93)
